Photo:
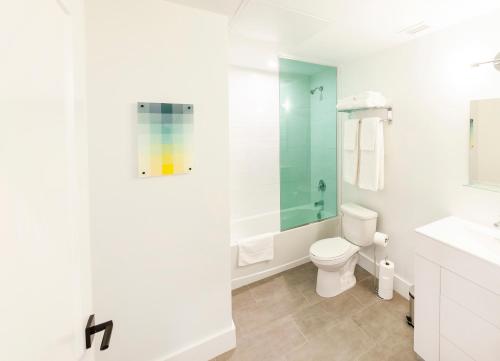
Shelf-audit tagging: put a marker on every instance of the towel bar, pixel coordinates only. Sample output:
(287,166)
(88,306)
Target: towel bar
(388,108)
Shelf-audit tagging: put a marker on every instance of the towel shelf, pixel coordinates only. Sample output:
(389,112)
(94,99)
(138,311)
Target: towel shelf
(388,108)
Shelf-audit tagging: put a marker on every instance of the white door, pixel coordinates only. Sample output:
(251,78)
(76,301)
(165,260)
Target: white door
(44,262)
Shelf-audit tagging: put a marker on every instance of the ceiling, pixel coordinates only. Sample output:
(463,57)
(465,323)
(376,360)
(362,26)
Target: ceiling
(334,31)
(225,7)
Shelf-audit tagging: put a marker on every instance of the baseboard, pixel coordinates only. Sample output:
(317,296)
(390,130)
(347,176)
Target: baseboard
(206,349)
(245,280)
(401,285)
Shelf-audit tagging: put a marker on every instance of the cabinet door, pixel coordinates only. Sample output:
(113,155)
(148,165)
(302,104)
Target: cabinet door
(427,301)
(475,336)
(450,352)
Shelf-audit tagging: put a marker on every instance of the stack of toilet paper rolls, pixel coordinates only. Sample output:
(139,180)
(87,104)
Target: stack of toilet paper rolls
(386,269)
(386,279)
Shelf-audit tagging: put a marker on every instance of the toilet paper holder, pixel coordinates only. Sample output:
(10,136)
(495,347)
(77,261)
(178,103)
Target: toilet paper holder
(379,240)
(386,280)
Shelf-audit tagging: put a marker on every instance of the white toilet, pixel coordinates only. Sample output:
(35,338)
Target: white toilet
(336,257)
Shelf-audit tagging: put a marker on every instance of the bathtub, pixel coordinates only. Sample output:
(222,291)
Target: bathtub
(291,247)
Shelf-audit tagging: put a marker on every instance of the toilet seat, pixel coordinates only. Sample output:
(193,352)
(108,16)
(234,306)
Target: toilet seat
(334,250)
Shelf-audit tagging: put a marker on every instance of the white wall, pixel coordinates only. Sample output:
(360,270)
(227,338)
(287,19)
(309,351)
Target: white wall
(254,142)
(160,245)
(44,264)
(431,83)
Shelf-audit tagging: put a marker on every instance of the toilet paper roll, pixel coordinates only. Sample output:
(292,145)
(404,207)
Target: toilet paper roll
(380,239)
(386,280)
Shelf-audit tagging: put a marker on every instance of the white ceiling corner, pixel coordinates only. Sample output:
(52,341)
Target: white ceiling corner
(264,21)
(320,9)
(338,30)
(224,7)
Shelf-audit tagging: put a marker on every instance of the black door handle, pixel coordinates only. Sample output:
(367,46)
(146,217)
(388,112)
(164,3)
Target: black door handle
(92,329)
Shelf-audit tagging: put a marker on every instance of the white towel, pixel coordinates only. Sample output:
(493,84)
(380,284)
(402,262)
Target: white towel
(350,151)
(371,154)
(346,103)
(371,97)
(368,136)
(256,249)
(367,99)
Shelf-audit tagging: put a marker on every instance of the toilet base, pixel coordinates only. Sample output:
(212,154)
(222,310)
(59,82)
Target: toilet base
(332,283)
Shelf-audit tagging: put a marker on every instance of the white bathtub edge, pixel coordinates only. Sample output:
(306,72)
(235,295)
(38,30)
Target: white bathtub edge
(257,276)
(236,242)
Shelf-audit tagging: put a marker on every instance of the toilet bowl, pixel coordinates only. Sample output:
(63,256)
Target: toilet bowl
(336,258)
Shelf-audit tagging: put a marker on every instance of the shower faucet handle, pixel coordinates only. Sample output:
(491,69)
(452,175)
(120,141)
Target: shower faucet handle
(321,185)
(497,224)
(319,203)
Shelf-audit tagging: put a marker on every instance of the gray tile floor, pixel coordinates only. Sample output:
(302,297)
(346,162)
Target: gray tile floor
(282,318)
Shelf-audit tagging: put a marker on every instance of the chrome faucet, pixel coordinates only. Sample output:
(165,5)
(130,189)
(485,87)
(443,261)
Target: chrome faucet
(321,185)
(319,203)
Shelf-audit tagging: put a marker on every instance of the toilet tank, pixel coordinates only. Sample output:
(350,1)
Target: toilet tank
(358,224)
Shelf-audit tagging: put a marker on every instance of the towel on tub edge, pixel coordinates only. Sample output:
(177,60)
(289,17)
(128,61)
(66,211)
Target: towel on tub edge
(256,249)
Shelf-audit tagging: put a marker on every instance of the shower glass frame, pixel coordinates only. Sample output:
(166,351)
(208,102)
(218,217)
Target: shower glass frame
(308,143)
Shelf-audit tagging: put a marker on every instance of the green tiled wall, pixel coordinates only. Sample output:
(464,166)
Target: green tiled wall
(308,144)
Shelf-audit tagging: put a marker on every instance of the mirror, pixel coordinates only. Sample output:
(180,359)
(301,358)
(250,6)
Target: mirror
(484,144)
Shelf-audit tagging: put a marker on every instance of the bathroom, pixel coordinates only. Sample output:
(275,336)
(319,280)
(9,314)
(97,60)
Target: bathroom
(105,259)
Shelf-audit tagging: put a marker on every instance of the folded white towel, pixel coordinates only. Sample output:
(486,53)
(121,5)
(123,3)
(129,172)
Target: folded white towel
(371,98)
(371,155)
(346,103)
(370,95)
(367,99)
(256,249)
(350,151)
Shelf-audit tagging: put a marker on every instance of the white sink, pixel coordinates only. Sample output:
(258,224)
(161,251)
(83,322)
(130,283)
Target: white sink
(457,291)
(472,238)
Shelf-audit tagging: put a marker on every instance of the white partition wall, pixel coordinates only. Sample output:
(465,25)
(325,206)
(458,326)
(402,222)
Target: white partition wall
(160,245)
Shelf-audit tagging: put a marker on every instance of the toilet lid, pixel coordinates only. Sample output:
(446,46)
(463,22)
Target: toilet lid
(330,248)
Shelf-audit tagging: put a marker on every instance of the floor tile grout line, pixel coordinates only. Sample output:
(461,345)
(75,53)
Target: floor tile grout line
(361,301)
(251,294)
(370,337)
(364,307)
(302,333)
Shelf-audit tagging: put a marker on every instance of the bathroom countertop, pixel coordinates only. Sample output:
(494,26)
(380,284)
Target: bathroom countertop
(472,238)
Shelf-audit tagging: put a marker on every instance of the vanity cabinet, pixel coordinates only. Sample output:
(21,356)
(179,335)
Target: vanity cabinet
(457,292)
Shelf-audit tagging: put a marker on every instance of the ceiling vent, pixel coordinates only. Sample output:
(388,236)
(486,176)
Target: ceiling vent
(414,29)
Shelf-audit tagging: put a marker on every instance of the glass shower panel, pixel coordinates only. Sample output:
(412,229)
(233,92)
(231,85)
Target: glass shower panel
(308,143)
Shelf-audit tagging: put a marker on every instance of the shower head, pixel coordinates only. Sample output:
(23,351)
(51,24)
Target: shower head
(320,88)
